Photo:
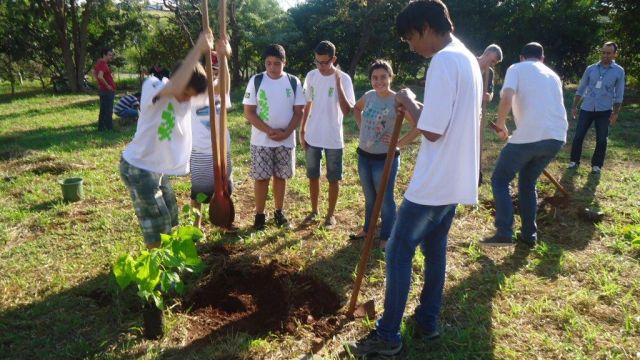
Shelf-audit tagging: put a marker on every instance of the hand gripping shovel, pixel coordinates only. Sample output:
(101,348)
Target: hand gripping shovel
(221,210)
(364,257)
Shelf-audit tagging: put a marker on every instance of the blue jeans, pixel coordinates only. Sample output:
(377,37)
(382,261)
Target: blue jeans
(105,117)
(601,119)
(427,226)
(129,114)
(528,161)
(333,158)
(370,171)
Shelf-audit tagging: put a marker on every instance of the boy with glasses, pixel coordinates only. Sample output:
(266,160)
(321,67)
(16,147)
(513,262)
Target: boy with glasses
(330,97)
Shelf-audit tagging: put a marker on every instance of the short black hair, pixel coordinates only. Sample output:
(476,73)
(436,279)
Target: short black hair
(275,50)
(611,43)
(532,50)
(105,51)
(138,94)
(380,64)
(325,47)
(419,14)
(198,80)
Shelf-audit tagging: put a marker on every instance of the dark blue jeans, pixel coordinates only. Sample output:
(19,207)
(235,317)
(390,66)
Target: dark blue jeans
(105,117)
(370,172)
(601,119)
(428,227)
(528,161)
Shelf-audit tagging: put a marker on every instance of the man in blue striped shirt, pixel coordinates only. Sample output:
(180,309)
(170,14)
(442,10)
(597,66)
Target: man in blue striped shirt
(127,107)
(599,95)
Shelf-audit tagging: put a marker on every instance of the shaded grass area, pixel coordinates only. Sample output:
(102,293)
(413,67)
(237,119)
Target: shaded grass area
(575,295)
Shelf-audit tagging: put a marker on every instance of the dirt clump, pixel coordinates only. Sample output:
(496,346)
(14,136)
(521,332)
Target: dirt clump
(258,299)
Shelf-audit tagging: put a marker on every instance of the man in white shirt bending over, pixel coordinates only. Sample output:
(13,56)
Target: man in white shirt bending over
(535,93)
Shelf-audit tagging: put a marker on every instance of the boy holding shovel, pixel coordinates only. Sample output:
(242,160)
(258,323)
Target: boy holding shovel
(162,143)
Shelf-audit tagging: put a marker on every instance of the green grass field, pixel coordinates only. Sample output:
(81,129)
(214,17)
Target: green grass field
(576,295)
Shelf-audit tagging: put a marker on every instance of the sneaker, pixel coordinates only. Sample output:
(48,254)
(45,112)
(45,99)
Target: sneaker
(259,221)
(311,217)
(497,240)
(373,344)
(529,242)
(573,165)
(281,219)
(330,222)
(596,169)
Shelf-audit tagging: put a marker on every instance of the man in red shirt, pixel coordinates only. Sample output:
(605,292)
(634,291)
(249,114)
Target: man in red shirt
(107,90)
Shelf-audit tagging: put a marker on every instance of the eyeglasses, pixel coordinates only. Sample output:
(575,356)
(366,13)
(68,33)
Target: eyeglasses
(318,62)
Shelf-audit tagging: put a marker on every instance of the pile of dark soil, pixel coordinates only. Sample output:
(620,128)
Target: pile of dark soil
(241,296)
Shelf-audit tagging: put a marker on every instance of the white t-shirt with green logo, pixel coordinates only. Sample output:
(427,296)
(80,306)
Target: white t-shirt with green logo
(162,142)
(275,101)
(324,124)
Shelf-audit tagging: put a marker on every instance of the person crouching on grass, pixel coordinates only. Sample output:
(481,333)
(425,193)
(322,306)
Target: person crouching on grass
(273,104)
(202,176)
(162,143)
(375,114)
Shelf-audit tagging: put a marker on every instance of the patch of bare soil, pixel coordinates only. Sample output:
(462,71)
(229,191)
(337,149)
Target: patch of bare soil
(258,299)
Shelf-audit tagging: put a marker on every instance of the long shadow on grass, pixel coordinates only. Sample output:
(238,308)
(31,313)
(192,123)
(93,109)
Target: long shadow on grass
(67,138)
(80,322)
(572,230)
(467,313)
(50,110)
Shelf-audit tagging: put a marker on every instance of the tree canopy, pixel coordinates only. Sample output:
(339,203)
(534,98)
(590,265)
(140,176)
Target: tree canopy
(64,37)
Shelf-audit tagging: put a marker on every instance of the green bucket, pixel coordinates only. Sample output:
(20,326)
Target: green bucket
(72,189)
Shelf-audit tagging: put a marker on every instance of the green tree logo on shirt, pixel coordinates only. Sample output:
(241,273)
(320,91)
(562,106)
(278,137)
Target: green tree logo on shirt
(330,91)
(289,92)
(264,105)
(168,123)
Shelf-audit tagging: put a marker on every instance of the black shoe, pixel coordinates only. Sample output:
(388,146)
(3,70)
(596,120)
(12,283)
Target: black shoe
(497,240)
(281,219)
(528,242)
(259,221)
(373,344)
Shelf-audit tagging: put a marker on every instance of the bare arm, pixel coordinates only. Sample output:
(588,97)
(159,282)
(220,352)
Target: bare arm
(181,77)
(357,111)
(504,108)
(345,107)
(100,78)
(412,134)
(576,103)
(250,113)
(303,123)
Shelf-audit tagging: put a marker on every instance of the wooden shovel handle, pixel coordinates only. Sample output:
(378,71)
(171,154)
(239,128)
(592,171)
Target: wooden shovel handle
(373,220)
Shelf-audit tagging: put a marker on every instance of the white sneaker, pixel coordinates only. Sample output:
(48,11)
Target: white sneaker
(572,165)
(596,169)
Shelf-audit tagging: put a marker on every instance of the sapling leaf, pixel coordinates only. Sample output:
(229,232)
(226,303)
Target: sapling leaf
(201,198)
(184,233)
(123,271)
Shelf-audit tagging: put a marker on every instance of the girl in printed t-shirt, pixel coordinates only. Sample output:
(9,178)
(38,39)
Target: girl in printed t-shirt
(375,114)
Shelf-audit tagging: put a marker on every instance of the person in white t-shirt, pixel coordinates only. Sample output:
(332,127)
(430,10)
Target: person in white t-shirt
(202,176)
(162,143)
(445,174)
(535,93)
(273,104)
(330,97)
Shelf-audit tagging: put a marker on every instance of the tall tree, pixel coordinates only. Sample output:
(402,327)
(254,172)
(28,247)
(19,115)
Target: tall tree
(70,22)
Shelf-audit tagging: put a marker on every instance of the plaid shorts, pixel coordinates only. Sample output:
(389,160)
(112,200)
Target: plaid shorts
(271,161)
(153,201)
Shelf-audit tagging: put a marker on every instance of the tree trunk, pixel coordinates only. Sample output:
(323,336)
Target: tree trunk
(365,36)
(236,77)
(74,47)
